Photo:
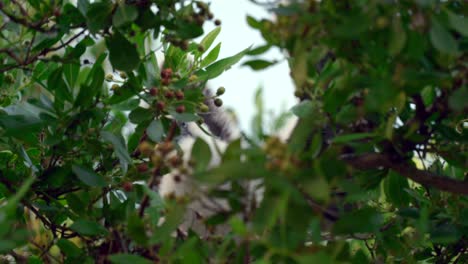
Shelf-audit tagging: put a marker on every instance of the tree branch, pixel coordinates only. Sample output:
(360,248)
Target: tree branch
(426,178)
(26,23)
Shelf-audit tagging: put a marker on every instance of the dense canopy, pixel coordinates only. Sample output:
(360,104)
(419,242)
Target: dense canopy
(375,170)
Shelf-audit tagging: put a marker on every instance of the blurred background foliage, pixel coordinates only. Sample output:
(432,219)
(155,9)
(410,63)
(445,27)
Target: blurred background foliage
(374,171)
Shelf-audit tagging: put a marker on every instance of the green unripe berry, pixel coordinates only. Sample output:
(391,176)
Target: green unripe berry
(123,75)
(218,102)
(204,108)
(109,77)
(221,90)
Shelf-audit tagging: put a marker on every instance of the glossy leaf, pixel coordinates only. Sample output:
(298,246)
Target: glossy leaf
(201,154)
(259,64)
(210,38)
(220,66)
(128,258)
(125,14)
(120,149)
(155,130)
(123,55)
(442,39)
(88,228)
(212,56)
(88,177)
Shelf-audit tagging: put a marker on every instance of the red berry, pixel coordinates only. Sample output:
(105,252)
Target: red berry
(160,105)
(154,91)
(143,167)
(166,81)
(127,186)
(180,109)
(169,94)
(166,73)
(179,95)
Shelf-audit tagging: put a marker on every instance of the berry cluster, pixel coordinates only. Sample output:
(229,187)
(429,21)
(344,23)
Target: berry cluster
(279,156)
(197,16)
(164,95)
(161,157)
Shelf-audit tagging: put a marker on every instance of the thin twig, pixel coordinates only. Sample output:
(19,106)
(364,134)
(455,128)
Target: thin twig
(425,178)
(21,8)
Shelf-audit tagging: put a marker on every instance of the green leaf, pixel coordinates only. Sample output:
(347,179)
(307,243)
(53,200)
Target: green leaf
(208,40)
(359,221)
(88,176)
(189,30)
(445,234)
(56,83)
(394,188)
(91,83)
(259,64)
(259,50)
(319,257)
(184,117)
(173,218)
(127,105)
(125,14)
(317,187)
(458,99)
(397,38)
(304,109)
(88,228)
(10,205)
(442,40)
(123,55)
(140,115)
(352,137)
(212,56)
(238,226)
(98,15)
(233,151)
(232,170)
(215,69)
(459,23)
(120,149)
(68,248)
(71,71)
(253,23)
(201,154)
(128,258)
(155,130)
(136,229)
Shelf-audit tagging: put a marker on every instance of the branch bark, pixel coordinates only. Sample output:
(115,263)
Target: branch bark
(426,178)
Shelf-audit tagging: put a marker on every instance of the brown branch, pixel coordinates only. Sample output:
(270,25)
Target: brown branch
(425,178)
(11,54)
(66,42)
(21,8)
(26,23)
(154,177)
(34,58)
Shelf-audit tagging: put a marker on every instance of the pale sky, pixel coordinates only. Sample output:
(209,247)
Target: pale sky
(240,81)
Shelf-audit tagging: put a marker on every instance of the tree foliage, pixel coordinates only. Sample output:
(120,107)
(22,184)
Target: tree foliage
(374,170)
